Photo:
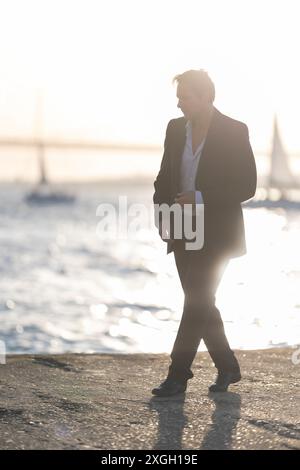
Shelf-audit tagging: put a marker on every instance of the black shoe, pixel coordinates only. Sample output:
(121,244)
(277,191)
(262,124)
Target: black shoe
(224,379)
(169,387)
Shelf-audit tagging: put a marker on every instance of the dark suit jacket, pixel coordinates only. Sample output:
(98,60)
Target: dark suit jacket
(226,176)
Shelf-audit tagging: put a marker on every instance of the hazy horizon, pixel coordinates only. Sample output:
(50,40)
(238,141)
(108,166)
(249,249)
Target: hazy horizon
(102,71)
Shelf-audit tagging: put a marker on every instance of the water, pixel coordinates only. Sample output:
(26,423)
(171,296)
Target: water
(63,289)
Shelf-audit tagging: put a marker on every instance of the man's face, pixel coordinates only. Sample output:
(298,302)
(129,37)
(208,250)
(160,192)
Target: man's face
(191,104)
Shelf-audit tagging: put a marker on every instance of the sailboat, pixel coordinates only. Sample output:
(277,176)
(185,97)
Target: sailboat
(44,192)
(280,179)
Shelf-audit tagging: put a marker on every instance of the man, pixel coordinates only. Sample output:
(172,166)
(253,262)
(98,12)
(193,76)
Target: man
(207,160)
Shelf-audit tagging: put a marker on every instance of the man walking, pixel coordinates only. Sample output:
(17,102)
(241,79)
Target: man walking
(207,160)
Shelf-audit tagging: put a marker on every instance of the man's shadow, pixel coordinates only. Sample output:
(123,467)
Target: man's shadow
(224,421)
(172,421)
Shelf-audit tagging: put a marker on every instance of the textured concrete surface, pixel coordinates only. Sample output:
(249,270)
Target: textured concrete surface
(100,401)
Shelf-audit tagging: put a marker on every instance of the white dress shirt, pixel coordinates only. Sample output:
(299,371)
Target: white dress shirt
(189,165)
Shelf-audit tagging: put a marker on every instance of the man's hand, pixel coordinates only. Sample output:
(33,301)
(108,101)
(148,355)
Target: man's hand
(185,198)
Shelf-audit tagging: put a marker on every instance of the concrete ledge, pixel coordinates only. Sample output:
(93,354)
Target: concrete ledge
(103,401)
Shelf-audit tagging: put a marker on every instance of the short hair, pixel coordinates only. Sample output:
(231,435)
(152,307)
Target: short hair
(199,80)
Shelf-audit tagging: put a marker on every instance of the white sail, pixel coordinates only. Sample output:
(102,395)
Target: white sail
(281,176)
(282,188)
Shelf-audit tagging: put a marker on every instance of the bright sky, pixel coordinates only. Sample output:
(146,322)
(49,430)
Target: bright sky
(105,68)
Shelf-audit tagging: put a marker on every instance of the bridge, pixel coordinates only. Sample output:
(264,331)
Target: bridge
(75,144)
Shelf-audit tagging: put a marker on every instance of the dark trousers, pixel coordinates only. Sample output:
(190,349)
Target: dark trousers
(200,273)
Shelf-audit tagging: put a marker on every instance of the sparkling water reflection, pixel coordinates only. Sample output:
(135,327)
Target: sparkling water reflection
(63,289)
